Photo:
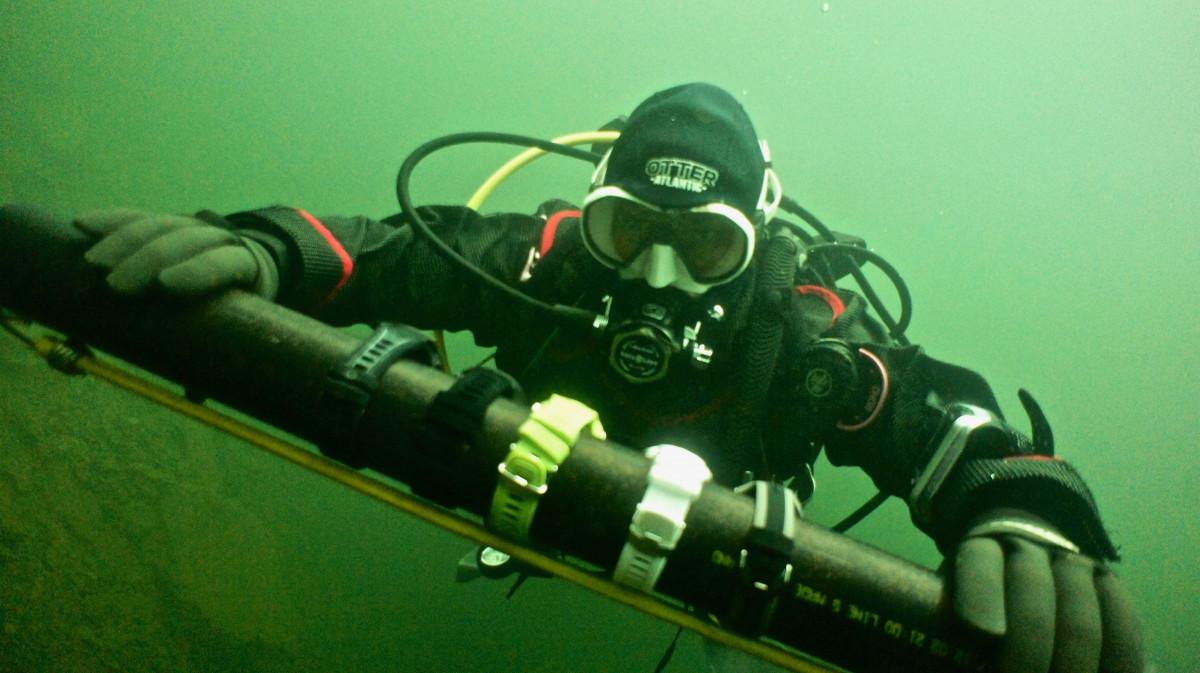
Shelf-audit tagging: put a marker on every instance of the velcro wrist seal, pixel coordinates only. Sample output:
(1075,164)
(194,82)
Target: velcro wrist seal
(1046,487)
(320,268)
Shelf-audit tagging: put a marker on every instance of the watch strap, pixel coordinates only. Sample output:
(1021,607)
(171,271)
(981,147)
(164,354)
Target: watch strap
(452,423)
(349,388)
(543,443)
(674,482)
(765,562)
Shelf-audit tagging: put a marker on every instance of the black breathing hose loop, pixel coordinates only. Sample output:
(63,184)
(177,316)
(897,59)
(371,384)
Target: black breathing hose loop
(567,314)
(789,205)
(897,328)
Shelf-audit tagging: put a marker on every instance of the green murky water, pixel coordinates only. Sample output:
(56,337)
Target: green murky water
(1031,167)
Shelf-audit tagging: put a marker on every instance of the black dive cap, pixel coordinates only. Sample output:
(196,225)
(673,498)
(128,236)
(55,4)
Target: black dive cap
(687,146)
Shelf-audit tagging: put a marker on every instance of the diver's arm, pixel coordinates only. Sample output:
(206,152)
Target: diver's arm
(907,452)
(345,270)
(894,423)
(342,270)
(1022,535)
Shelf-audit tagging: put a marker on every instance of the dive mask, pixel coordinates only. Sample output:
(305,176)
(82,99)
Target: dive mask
(692,249)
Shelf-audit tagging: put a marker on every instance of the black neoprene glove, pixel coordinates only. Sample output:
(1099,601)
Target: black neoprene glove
(184,256)
(1052,608)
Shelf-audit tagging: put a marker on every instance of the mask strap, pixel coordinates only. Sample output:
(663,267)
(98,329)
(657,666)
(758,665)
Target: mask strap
(601,171)
(771,194)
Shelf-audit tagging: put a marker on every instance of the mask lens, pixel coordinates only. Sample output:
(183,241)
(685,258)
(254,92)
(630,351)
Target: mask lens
(711,244)
(619,229)
(633,228)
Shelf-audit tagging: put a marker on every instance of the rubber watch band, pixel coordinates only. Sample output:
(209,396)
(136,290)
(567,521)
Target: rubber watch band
(452,423)
(675,480)
(348,389)
(765,562)
(544,441)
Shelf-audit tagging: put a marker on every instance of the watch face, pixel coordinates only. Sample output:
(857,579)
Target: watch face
(682,469)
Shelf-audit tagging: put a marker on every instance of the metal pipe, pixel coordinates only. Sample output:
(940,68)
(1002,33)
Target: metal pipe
(849,603)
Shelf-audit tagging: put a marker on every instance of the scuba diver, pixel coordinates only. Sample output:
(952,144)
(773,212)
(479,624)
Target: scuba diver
(713,325)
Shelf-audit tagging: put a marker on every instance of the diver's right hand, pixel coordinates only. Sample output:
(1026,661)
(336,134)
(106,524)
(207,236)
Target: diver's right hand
(184,256)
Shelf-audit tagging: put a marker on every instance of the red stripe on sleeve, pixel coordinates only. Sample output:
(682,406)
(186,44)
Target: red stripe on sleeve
(830,297)
(336,246)
(552,226)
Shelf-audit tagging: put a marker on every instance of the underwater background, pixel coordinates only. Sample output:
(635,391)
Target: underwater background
(1031,168)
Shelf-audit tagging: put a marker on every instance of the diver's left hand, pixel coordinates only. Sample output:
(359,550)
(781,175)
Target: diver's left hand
(1052,608)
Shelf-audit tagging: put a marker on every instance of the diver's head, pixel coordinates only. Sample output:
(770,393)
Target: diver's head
(679,198)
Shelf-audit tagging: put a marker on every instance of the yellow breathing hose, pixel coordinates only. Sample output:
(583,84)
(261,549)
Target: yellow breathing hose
(521,160)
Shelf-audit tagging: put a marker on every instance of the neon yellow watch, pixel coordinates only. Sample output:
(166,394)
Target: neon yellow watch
(544,442)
